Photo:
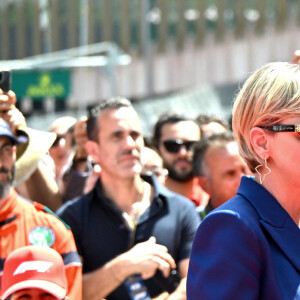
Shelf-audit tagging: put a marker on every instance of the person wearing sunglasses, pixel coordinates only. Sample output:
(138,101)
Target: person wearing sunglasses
(62,150)
(248,248)
(173,137)
(73,167)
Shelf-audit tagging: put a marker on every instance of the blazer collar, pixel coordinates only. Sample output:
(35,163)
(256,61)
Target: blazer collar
(265,204)
(274,218)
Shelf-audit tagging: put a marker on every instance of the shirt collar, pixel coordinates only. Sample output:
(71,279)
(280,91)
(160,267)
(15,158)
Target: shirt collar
(159,189)
(160,192)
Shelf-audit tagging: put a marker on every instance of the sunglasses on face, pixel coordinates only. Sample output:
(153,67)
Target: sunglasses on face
(282,128)
(174,146)
(57,140)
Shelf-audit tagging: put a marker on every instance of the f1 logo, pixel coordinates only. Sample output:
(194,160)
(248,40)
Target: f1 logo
(36,265)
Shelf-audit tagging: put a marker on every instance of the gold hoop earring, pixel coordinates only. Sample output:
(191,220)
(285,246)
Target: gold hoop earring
(262,175)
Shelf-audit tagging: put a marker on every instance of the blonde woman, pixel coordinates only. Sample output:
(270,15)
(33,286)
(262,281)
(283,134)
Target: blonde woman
(249,248)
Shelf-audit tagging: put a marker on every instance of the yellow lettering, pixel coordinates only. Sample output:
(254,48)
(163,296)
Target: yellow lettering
(45,88)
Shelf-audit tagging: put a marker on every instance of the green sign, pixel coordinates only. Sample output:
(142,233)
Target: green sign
(38,85)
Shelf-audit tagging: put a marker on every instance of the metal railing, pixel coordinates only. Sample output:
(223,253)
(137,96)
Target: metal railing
(83,56)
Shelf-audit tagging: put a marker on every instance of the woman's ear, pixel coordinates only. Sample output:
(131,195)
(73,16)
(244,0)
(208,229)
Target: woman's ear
(259,142)
(92,149)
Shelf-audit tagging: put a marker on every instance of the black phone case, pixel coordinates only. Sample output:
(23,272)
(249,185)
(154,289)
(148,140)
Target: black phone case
(5,79)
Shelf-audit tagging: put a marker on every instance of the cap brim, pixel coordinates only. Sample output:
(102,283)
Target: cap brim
(29,154)
(22,139)
(47,286)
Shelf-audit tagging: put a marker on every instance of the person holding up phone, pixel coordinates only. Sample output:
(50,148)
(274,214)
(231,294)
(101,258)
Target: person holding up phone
(32,178)
(5,80)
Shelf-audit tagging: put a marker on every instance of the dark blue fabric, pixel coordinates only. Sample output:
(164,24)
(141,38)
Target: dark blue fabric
(71,258)
(101,233)
(248,248)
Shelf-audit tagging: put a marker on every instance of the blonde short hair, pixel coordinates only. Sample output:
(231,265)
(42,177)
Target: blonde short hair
(270,94)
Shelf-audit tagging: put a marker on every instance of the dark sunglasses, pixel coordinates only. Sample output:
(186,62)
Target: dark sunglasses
(58,138)
(173,146)
(282,128)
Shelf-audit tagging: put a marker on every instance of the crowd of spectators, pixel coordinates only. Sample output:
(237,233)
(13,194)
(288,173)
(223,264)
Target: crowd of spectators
(122,211)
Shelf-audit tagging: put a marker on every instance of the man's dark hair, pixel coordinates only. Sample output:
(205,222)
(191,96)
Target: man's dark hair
(200,148)
(108,104)
(166,118)
(202,119)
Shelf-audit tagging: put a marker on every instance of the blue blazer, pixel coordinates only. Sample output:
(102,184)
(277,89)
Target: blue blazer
(248,248)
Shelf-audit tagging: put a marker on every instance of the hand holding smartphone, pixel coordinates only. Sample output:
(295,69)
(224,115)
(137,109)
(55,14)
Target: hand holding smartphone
(5,79)
(8,110)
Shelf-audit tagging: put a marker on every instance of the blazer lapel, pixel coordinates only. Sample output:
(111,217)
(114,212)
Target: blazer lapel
(283,237)
(274,219)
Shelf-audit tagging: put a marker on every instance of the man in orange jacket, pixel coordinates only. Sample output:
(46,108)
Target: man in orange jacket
(23,222)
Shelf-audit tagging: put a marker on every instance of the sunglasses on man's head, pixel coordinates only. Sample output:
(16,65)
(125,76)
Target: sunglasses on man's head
(174,146)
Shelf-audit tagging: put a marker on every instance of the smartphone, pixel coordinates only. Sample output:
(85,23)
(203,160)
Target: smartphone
(5,79)
(170,283)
